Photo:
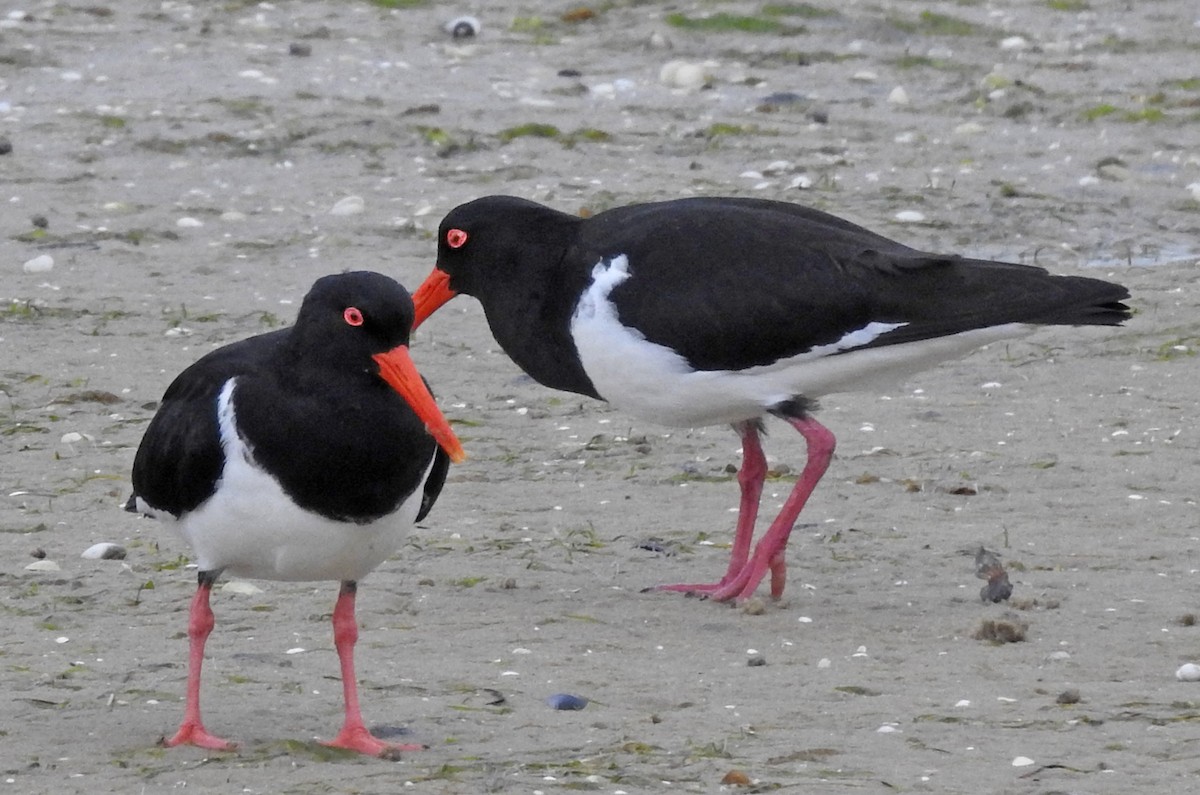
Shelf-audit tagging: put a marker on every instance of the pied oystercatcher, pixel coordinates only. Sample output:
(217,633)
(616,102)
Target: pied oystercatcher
(302,454)
(721,310)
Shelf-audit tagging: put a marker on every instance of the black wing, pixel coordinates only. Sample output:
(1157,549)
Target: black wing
(732,283)
(180,458)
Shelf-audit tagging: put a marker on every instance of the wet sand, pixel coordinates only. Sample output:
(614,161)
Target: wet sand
(179,165)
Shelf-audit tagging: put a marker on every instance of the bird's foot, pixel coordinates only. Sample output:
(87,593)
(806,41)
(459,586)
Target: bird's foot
(734,590)
(357,738)
(702,590)
(194,733)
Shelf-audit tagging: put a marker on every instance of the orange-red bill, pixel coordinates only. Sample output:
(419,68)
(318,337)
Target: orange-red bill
(432,293)
(397,368)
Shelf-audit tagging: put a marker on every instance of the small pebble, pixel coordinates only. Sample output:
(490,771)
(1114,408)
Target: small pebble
(566,701)
(5,146)
(43,565)
(1188,672)
(898,96)
(1014,43)
(242,587)
(1071,696)
(683,74)
(1022,761)
(910,217)
(736,778)
(39,264)
(187,222)
(756,661)
(105,550)
(462,27)
(40,222)
(754,607)
(299,49)
(350,205)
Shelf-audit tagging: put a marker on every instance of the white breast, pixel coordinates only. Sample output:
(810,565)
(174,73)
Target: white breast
(252,529)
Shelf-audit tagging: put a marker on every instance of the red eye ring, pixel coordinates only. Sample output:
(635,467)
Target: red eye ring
(353,316)
(456,238)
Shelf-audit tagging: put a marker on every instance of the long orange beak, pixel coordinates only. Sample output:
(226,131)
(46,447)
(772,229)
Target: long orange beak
(397,368)
(432,293)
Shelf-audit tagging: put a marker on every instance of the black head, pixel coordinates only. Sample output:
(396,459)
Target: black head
(487,238)
(349,317)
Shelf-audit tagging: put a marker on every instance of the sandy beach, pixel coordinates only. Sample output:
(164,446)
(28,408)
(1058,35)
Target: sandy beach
(174,177)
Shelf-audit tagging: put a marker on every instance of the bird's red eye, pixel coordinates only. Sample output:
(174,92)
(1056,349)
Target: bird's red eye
(456,238)
(353,316)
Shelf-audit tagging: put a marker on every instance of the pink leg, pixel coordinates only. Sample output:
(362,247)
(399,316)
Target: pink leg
(354,735)
(750,478)
(200,624)
(769,554)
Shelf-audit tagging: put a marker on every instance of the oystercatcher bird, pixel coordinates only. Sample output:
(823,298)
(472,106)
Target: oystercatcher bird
(703,311)
(302,454)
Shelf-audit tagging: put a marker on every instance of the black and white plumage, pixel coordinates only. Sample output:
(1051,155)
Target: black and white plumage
(722,310)
(302,454)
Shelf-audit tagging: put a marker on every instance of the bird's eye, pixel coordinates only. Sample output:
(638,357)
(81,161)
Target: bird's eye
(456,238)
(353,316)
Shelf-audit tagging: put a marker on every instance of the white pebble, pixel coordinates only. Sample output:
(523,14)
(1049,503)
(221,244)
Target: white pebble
(43,565)
(887,728)
(1014,43)
(242,587)
(1022,761)
(963,703)
(105,550)
(802,181)
(71,437)
(1058,656)
(824,662)
(683,74)
(1194,189)
(910,217)
(1188,672)
(865,76)
(39,264)
(1088,180)
(968,128)
(351,205)
(898,96)
(187,222)
(233,215)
